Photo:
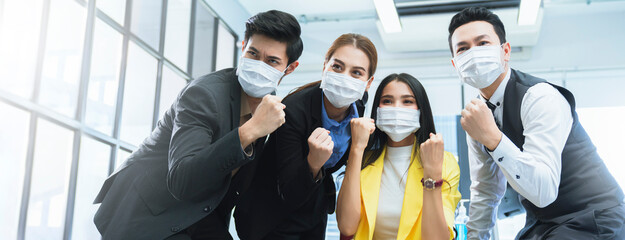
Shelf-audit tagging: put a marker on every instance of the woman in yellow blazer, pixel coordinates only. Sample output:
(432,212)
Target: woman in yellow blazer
(406,185)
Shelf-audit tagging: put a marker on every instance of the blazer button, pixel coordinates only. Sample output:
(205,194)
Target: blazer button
(237,193)
(500,159)
(175,229)
(207,209)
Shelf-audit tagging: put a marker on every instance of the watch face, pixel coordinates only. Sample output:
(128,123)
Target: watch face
(429,184)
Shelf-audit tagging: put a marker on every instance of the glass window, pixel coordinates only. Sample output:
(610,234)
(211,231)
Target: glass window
(225,48)
(446,125)
(444,96)
(63,55)
(204,41)
(19,40)
(13,147)
(177,32)
(122,155)
(508,228)
(332,227)
(605,127)
(115,9)
(139,90)
(171,85)
(597,88)
(469,94)
(146,21)
(552,77)
(49,182)
(92,171)
(104,78)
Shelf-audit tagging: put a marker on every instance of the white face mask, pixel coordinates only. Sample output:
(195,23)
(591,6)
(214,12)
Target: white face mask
(340,89)
(479,66)
(398,122)
(257,78)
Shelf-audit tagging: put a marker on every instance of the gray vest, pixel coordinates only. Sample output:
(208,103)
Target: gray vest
(585,182)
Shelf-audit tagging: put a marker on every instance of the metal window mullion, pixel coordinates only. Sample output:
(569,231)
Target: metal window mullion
(121,85)
(216,15)
(80,117)
(215,40)
(234,59)
(45,14)
(28,170)
(1,11)
(43,30)
(159,70)
(107,19)
(191,53)
(69,210)
(462,104)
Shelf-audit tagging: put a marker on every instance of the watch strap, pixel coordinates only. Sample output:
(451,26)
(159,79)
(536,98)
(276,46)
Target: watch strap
(437,184)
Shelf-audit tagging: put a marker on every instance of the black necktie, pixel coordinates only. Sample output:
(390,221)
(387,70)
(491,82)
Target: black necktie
(492,107)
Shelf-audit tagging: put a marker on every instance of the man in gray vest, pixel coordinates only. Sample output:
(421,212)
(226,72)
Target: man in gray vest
(524,131)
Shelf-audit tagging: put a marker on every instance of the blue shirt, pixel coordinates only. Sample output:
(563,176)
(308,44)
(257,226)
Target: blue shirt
(339,131)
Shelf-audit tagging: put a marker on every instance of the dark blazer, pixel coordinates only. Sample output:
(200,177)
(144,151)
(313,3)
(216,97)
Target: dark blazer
(181,172)
(283,187)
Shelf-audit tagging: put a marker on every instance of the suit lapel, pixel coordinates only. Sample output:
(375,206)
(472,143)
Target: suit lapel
(370,179)
(413,197)
(235,101)
(315,108)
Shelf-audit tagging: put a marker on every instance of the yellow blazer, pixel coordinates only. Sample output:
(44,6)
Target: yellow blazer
(410,220)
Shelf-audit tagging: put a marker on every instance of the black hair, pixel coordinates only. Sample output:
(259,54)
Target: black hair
(378,139)
(278,25)
(472,14)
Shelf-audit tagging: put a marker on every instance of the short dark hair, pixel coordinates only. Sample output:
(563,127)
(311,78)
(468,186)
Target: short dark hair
(280,26)
(472,14)
(378,140)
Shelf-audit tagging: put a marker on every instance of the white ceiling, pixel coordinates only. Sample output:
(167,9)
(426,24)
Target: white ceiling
(323,21)
(310,7)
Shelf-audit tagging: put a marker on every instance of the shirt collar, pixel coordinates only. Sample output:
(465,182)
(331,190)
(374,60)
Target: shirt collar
(499,92)
(353,113)
(245,106)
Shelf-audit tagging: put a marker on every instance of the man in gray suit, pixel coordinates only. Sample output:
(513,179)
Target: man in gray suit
(185,178)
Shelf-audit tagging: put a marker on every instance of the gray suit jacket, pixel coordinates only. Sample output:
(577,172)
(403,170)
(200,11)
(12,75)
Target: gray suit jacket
(181,172)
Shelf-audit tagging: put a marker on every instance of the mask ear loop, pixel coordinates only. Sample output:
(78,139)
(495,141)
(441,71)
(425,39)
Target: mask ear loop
(284,73)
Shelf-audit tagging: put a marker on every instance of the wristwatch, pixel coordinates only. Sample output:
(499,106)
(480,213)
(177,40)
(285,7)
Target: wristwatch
(430,184)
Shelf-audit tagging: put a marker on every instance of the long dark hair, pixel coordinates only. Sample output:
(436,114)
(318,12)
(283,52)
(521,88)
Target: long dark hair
(359,41)
(378,140)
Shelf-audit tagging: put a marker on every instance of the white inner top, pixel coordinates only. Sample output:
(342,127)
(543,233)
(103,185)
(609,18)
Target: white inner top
(392,187)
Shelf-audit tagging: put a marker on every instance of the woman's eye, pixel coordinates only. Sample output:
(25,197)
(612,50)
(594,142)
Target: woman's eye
(386,101)
(462,49)
(273,61)
(408,102)
(252,53)
(357,73)
(482,43)
(337,67)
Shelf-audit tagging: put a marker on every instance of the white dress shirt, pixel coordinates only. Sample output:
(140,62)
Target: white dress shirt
(534,172)
(392,189)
